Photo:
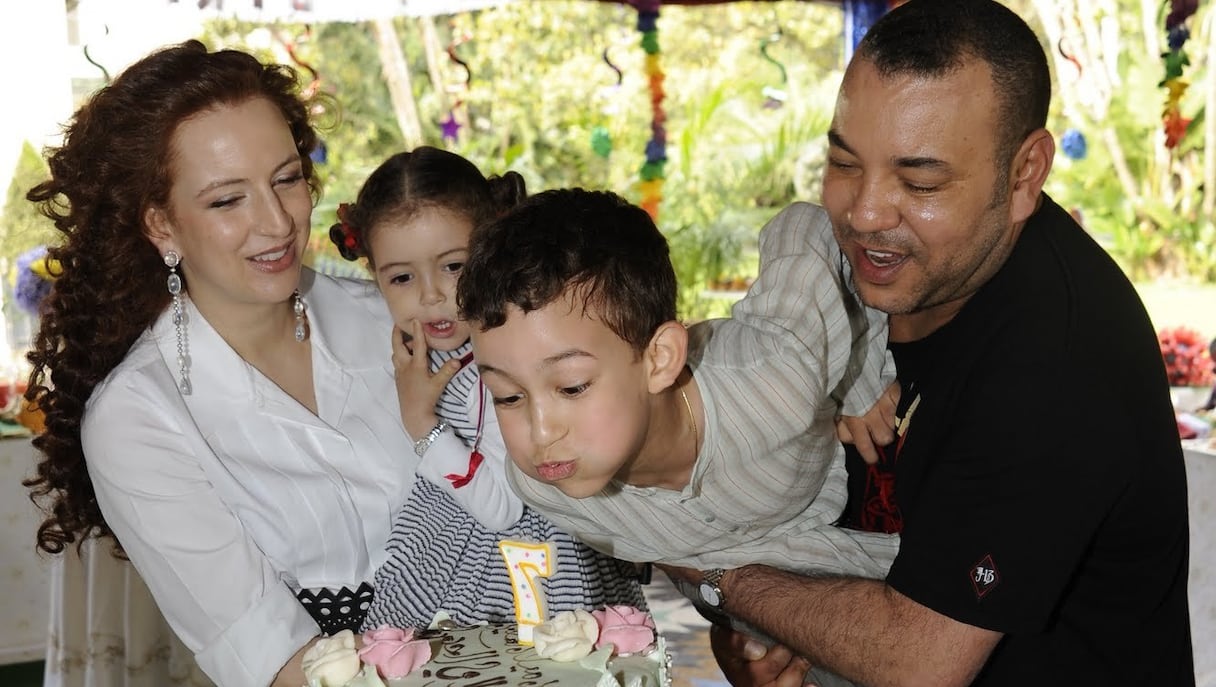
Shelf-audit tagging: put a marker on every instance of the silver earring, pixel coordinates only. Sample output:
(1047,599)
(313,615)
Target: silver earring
(297,306)
(172,260)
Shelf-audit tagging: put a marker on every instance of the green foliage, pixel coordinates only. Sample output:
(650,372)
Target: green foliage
(539,87)
(22,226)
(1153,225)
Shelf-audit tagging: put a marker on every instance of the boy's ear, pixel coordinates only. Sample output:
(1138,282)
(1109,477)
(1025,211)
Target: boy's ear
(665,356)
(159,229)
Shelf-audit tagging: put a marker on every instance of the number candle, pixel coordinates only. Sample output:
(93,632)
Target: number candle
(525,562)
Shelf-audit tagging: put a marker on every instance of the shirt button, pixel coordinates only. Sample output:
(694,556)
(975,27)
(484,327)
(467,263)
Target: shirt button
(709,518)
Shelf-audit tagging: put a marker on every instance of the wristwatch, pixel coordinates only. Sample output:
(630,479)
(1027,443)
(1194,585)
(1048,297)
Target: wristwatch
(710,589)
(425,442)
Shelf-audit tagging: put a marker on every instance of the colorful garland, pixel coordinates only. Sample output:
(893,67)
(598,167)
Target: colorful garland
(652,173)
(1176,60)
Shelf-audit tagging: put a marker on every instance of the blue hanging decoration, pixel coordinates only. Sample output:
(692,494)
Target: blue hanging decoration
(1073,144)
(320,154)
(859,16)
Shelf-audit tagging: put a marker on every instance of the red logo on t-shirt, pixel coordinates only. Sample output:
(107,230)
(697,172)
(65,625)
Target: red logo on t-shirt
(984,577)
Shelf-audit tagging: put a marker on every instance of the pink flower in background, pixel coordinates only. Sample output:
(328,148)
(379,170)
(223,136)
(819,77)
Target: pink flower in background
(394,651)
(628,629)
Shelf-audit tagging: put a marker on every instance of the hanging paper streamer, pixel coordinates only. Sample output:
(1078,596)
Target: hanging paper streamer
(601,138)
(1176,61)
(105,74)
(652,174)
(450,127)
(319,154)
(1062,47)
(620,75)
(773,97)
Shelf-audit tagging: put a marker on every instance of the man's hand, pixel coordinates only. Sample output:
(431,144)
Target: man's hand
(747,663)
(744,661)
(875,428)
(417,389)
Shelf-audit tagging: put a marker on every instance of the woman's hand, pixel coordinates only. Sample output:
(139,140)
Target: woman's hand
(747,663)
(417,389)
(292,672)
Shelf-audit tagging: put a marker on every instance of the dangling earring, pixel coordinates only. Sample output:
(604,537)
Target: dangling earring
(297,306)
(172,260)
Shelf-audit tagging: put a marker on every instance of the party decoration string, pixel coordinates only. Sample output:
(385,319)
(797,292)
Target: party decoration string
(652,173)
(1176,60)
(1062,47)
(314,86)
(601,138)
(105,75)
(320,154)
(620,76)
(774,97)
(450,127)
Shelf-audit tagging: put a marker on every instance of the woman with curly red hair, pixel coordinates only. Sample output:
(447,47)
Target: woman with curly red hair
(210,403)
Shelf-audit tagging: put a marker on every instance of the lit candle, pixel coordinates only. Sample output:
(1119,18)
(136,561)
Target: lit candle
(525,562)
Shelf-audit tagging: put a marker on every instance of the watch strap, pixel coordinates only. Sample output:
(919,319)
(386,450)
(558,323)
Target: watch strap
(711,582)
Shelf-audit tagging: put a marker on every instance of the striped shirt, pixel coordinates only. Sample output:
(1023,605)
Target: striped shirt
(769,481)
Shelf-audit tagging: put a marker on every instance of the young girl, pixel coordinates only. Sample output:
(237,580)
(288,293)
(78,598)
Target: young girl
(412,220)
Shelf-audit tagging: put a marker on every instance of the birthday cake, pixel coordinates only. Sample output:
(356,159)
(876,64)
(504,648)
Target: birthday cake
(612,647)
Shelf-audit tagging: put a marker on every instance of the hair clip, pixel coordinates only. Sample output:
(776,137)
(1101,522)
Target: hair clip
(344,235)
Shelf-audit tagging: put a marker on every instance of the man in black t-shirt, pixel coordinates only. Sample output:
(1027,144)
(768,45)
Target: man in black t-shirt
(1036,478)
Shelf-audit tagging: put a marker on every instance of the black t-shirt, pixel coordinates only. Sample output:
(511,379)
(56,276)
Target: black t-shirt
(1039,484)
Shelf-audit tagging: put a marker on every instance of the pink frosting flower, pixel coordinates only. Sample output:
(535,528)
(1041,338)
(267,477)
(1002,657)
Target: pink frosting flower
(394,651)
(628,629)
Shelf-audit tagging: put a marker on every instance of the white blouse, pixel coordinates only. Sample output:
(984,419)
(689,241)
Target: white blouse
(229,499)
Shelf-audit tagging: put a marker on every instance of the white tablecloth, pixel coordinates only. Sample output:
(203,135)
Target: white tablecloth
(89,616)
(1201,495)
(24,586)
(105,630)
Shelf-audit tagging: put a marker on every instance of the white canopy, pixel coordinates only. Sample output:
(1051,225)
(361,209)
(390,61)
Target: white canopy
(332,10)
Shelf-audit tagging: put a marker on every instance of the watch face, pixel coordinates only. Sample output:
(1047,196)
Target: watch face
(709,594)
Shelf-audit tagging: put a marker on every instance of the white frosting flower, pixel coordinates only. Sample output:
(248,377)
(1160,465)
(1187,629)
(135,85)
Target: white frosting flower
(332,661)
(568,636)
(367,678)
